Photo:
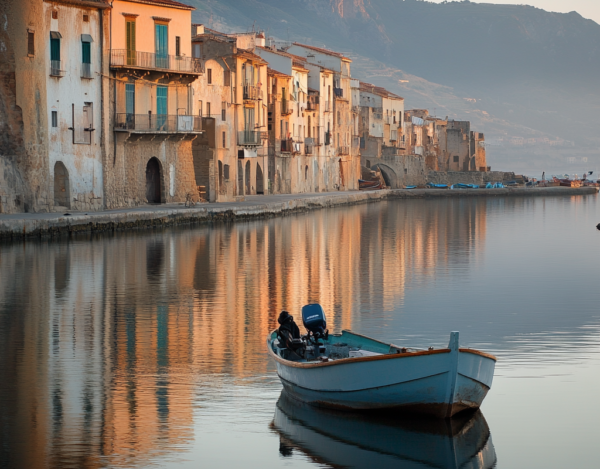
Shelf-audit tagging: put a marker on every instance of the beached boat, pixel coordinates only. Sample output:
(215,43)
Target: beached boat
(352,371)
(354,440)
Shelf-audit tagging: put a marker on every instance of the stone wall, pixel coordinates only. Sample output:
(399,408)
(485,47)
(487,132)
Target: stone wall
(468,177)
(400,171)
(125,177)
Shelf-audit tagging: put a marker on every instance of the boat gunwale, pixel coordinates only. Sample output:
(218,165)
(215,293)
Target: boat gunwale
(349,361)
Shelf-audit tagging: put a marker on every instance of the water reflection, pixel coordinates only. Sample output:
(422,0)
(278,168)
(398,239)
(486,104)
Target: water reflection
(109,343)
(342,439)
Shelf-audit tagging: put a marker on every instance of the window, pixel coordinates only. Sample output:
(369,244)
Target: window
(54,118)
(207,109)
(200,108)
(209,76)
(177,46)
(30,43)
(55,38)
(227,78)
(86,56)
(223,110)
(226,172)
(456,158)
(54,15)
(162,45)
(86,18)
(130,41)
(224,140)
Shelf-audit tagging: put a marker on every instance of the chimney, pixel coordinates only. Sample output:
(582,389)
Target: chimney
(197,29)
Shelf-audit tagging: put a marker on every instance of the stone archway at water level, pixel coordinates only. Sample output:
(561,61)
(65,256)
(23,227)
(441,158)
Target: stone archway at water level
(153,181)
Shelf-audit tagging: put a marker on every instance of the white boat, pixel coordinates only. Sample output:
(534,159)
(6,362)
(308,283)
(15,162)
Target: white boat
(352,371)
(353,440)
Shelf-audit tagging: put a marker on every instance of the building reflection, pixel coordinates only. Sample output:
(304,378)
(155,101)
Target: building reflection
(105,340)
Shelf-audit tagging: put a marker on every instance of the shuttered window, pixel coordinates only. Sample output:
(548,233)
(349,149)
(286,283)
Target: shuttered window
(130,41)
(30,43)
(86,53)
(177,46)
(54,48)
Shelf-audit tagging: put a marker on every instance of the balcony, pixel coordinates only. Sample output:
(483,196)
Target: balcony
(251,92)
(86,71)
(249,138)
(338,92)
(327,106)
(287,146)
(286,108)
(327,138)
(309,149)
(122,58)
(312,103)
(56,68)
(157,123)
(343,151)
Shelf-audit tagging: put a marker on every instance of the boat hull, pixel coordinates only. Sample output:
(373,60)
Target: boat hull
(439,383)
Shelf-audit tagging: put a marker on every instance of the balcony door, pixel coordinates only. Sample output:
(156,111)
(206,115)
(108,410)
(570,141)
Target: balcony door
(161,106)
(162,46)
(130,104)
(130,42)
(249,125)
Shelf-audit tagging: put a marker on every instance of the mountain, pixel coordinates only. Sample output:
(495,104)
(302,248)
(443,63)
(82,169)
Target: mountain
(515,71)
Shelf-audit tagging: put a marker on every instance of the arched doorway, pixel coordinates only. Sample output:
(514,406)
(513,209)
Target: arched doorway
(62,190)
(153,181)
(248,188)
(260,188)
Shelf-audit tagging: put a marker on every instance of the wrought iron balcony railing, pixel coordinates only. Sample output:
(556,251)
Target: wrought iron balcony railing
(287,145)
(251,92)
(56,68)
(286,107)
(339,92)
(86,71)
(249,138)
(122,58)
(158,123)
(312,103)
(343,150)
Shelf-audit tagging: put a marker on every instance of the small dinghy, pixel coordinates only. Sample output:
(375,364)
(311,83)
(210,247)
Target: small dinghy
(355,372)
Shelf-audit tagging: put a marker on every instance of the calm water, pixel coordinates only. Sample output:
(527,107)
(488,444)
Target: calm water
(147,349)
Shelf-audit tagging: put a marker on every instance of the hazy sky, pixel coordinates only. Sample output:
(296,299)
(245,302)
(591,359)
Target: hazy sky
(586,8)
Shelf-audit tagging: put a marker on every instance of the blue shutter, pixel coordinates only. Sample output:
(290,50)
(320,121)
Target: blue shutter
(161,106)
(130,103)
(54,49)
(162,51)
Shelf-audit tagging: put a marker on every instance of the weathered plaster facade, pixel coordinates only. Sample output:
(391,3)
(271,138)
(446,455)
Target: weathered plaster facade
(151,105)
(44,90)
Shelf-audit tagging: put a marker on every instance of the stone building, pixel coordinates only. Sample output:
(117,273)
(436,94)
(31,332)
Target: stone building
(52,89)
(153,126)
(380,123)
(231,158)
(339,100)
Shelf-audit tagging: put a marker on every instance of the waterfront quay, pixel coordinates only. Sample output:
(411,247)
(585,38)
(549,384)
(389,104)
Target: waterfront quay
(32,225)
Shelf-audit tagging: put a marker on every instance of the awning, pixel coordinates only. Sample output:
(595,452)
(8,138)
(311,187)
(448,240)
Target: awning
(55,35)
(86,38)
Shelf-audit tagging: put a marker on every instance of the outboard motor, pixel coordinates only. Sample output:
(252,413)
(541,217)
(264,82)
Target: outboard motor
(313,318)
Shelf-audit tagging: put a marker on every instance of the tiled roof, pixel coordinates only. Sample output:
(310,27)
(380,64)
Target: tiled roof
(378,90)
(324,51)
(164,3)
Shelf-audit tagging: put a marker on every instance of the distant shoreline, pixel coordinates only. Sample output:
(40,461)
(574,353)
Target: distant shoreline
(54,225)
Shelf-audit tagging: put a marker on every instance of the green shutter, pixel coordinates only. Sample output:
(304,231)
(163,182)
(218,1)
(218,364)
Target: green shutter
(54,49)
(86,50)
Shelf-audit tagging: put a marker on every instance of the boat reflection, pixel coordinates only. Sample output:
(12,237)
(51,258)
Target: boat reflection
(342,439)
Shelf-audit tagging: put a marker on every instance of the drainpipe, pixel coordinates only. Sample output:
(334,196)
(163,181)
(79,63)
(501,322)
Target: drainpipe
(114,90)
